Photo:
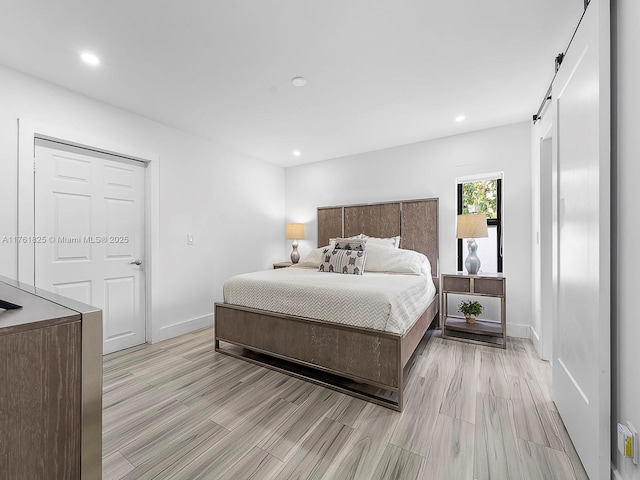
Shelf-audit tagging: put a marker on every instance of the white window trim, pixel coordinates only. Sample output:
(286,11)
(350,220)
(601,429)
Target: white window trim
(480,177)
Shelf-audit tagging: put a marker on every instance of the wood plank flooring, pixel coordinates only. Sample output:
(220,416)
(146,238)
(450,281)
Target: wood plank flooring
(179,410)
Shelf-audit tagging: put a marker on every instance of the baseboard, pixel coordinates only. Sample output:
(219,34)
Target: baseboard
(186,326)
(519,331)
(535,339)
(615,474)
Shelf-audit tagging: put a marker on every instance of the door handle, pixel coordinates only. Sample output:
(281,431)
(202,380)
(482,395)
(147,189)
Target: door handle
(136,262)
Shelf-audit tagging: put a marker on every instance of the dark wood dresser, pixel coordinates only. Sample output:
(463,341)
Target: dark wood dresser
(50,386)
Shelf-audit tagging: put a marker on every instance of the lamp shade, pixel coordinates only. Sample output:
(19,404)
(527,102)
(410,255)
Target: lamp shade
(472,225)
(295,231)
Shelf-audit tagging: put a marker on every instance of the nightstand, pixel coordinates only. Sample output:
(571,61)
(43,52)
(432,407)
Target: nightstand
(482,331)
(282,265)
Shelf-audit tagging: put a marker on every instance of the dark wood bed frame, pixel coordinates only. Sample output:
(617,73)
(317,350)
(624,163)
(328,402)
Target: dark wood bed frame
(362,362)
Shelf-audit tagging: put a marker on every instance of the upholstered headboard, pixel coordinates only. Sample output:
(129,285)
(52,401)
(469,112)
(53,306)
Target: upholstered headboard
(416,221)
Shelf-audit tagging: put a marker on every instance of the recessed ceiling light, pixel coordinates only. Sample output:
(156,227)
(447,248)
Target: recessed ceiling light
(460,118)
(90,58)
(296,153)
(299,81)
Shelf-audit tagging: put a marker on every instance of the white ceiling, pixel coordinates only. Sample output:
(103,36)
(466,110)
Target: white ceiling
(380,73)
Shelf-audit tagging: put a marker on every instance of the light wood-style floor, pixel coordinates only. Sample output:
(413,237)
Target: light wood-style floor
(179,410)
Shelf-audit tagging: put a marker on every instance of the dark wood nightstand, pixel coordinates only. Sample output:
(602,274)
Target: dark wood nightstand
(282,265)
(482,331)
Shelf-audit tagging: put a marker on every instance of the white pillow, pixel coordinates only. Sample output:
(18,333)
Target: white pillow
(313,259)
(390,242)
(395,260)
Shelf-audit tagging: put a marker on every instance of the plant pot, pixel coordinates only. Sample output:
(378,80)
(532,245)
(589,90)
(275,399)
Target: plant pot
(470,319)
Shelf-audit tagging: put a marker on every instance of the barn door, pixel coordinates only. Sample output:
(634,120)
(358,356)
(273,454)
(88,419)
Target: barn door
(581,343)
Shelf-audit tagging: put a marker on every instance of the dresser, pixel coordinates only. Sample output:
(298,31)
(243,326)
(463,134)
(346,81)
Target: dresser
(50,386)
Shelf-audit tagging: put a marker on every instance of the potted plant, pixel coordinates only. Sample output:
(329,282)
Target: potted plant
(470,309)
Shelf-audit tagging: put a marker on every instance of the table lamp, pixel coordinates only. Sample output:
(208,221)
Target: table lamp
(295,232)
(472,226)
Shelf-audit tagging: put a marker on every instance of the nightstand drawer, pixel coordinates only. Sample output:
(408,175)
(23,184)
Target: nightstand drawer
(489,286)
(456,284)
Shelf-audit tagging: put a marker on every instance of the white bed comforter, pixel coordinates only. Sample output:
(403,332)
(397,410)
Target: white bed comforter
(380,301)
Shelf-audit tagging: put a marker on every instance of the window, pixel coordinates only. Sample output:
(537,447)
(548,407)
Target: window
(483,195)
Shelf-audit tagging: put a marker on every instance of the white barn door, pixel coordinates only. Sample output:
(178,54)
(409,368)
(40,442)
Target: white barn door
(89,231)
(581,343)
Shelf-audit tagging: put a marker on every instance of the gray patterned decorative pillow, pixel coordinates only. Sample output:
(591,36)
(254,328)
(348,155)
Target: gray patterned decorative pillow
(336,260)
(332,241)
(350,244)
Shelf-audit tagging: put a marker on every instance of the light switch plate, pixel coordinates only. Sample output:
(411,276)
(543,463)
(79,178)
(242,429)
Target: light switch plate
(636,447)
(189,239)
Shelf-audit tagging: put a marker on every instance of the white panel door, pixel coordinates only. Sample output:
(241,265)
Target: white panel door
(89,227)
(581,343)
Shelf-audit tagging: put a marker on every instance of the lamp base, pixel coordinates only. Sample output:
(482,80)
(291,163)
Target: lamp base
(472,262)
(295,255)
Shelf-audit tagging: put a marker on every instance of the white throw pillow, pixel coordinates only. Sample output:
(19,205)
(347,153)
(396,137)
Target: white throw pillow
(390,242)
(385,259)
(313,259)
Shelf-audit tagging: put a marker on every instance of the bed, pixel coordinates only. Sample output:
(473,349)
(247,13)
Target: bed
(269,318)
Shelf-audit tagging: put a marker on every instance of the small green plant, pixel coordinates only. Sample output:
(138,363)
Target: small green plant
(470,308)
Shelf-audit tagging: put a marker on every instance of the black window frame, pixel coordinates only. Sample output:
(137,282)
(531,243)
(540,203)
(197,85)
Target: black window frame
(491,222)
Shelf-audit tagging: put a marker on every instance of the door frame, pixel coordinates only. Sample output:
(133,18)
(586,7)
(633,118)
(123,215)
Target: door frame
(542,328)
(27,132)
(548,181)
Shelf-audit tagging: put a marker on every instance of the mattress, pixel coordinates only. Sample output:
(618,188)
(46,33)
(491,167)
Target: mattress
(379,301)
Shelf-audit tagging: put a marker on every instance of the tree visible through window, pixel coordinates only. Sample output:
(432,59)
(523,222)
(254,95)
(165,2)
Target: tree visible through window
(483,196)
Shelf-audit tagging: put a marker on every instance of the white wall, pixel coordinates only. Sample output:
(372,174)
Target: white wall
(231,203)
(429,169)
(625,336)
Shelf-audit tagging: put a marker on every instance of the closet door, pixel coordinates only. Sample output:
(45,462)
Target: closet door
(581,357)
(89,213)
